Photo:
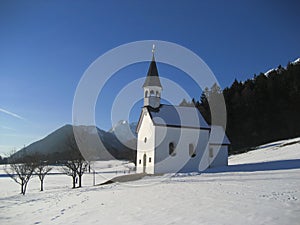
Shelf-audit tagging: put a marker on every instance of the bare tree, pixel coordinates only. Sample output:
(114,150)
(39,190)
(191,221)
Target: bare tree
(42,169)
(82,167)
(75,165)
(70,169)
(20,169)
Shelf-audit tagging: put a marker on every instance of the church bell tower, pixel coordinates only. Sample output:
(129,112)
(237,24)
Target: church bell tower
(152,86)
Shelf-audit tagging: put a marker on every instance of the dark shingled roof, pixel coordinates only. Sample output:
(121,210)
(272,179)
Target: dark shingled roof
(178,116)
(152,78)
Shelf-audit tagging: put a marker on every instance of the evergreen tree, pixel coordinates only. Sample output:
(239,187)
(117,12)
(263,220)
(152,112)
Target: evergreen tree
(259,110)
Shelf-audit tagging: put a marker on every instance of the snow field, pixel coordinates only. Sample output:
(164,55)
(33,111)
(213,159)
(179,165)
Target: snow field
(264,196)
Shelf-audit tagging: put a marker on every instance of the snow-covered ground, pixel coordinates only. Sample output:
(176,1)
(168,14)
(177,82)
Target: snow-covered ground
(259,187)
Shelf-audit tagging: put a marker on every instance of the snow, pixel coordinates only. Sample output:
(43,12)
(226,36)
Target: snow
(267,195)
(269,71)
(296,61)
(123,131)
(3,155)
(280,150)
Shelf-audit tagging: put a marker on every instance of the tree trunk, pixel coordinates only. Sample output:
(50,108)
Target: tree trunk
(79,181)
(42,184)
(74,182)
(24,189)
(22,186)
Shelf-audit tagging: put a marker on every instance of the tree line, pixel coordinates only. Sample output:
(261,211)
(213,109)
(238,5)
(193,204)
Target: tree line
(263,109)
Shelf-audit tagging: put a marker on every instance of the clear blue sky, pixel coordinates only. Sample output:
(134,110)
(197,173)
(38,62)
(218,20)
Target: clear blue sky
(45,47)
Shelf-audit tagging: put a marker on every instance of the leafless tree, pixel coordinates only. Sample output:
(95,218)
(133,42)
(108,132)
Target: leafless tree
(82,168)
(75,166)
(42,169)
(20,169)
(70,169)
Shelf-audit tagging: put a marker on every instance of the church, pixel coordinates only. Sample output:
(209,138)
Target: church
(173,139)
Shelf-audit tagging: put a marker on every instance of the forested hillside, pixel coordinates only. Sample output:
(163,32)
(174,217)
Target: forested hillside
(259,110)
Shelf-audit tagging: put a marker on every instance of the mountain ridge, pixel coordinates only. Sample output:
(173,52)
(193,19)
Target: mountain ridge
(56,144)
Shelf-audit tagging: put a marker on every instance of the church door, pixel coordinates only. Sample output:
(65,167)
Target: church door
(144,163)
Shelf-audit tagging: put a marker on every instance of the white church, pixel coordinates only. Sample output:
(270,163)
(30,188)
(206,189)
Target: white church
(174,139)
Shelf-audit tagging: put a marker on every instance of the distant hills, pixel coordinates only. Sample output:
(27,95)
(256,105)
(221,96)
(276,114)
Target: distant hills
(119,142)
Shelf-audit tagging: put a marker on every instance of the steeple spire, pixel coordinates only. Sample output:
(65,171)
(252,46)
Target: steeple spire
(152,86)
(152,78)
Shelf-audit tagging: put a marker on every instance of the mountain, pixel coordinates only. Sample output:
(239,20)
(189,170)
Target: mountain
(280,69)
(119,142)
(124,131)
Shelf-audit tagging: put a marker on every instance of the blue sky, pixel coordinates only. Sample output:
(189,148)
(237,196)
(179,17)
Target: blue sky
(45,47)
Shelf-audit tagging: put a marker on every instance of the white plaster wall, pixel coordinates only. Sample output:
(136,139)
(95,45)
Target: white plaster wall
(146,131)
(157,148)
(182,137)
(220,155)
(152,99)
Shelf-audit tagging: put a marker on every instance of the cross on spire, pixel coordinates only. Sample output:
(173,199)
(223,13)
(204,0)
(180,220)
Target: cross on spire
(153,51)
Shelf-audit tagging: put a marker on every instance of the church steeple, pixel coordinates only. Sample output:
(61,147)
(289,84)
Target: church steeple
(152,86)
(152,78)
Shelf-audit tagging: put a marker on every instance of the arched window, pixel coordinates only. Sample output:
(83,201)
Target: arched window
(192,150)
(146,94)
(145,140)
(172,149)
(151,93)
(211,152)
(157,94)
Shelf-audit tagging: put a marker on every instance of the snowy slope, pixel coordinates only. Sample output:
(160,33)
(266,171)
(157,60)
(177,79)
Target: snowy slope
(295,62)
(280,150)
(124,133)
(241,194)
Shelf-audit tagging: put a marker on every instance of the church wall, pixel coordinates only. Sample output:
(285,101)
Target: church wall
(145,145)
(220,155)
(181,137)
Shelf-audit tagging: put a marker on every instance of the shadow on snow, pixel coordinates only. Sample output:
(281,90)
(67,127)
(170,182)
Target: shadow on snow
(262,166)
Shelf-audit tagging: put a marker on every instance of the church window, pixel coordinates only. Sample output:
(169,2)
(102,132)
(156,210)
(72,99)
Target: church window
(149,159)
(140,161)
(151,92)
(157,94)
(145,140)
(172,149)
(211,152)
(192,150)
(146,94)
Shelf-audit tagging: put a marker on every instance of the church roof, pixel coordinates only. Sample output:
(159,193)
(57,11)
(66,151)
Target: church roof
(178,116)
(152,78)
